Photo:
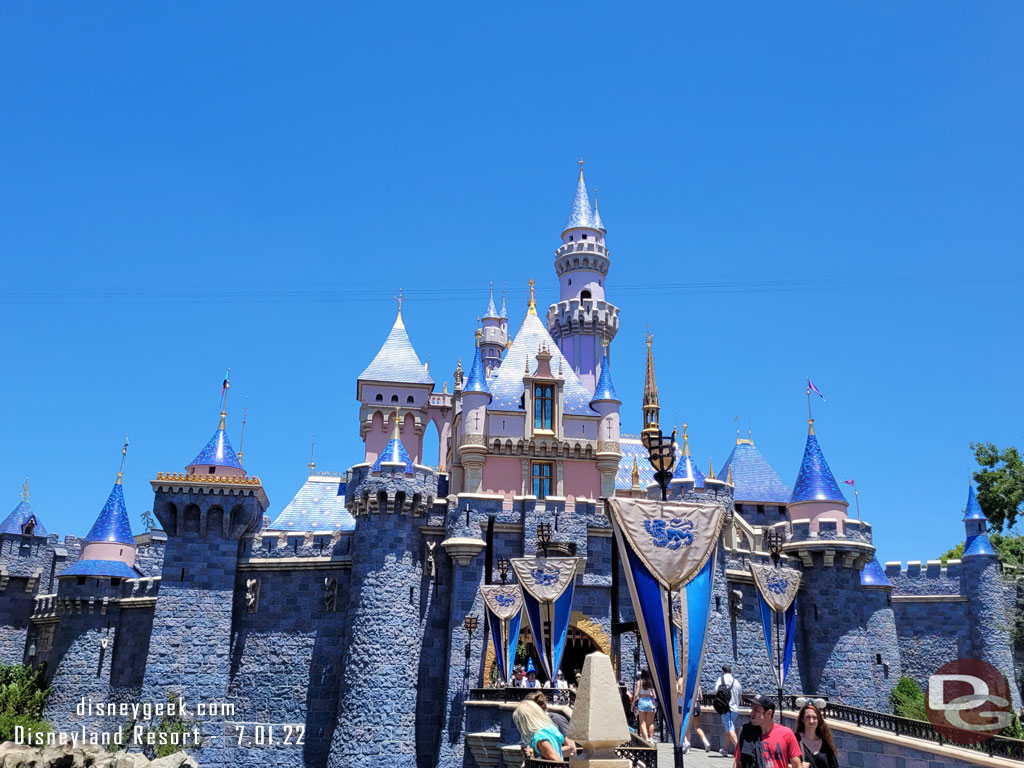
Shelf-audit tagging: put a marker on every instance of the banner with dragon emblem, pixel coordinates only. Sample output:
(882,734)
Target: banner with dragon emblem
(504,605)
(669,553)
(548,586)
(776,598)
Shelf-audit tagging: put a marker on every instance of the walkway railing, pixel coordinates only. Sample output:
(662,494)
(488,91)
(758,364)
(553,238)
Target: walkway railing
(563,697)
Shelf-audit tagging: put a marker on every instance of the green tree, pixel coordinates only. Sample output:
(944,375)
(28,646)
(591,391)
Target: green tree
(1009,548)
(1000,484)
(908,700)
(22,698)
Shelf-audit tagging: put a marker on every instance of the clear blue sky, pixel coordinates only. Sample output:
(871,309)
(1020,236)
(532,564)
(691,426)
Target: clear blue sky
(790,189)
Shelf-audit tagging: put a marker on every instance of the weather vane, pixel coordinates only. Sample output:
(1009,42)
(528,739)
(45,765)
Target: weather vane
(24,490)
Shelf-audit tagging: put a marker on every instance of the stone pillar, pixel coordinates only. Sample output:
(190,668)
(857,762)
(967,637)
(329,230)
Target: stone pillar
(463,673)
(598,723)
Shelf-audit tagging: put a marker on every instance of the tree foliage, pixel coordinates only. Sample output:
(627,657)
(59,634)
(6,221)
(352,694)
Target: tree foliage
(22,698)
(908,700)
(1009,548)
(1000,484)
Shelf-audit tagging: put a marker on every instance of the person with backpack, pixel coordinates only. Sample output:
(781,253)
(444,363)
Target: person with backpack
(727,704)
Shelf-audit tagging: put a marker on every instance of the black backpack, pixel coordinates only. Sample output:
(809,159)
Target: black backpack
(723,696)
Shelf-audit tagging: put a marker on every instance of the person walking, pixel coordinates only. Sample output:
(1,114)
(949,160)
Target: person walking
(727,703)
(645,706)
(694,725)
(763,743)
(816,745)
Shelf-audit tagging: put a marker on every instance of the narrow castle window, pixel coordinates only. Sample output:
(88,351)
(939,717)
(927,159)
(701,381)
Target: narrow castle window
(379,398)
(80,580)
(394,398)
(584,294)
(542,472)
(212,470)
(584,236)
(543,400)
(409,400)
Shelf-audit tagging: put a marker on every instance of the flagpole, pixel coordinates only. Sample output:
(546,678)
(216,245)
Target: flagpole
(809,416)
(856,496)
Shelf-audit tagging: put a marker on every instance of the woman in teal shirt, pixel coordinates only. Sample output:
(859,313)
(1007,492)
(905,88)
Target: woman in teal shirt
(537,731)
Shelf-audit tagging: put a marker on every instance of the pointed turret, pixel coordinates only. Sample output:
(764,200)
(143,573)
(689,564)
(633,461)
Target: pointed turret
(605,391)
(815,481)
(652,409)
(396,362)
(491,311)
(23,521)
(394,452)
(218,457)
(581,215)
(686,468)
(477,379)
(492,337)
(976,527)
(598,224)
(109,547)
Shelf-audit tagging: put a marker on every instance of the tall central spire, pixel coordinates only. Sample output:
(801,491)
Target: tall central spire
(581,214)
(651,407)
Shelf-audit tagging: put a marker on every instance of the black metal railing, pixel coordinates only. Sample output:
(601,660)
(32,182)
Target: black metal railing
(997,746)
(562,697)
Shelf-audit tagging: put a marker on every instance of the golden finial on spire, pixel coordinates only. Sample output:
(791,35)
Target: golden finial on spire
(478,334)
(124,453)
(810,426)
(636,474)
(531,307)
(686,441)
(651,406)
(396,433)
(444,388)
(24,490)
(312,451)
(729,479)
(711,468)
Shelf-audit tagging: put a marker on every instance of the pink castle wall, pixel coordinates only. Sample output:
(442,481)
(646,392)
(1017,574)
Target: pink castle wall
(581,478)
(502,475)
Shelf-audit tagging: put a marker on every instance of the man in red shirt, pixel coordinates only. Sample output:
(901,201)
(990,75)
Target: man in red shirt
(763,742)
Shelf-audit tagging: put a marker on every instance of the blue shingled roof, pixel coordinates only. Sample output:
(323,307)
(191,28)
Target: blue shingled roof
(491,311)
(477,379)
(395,452)
(978,545)
(973,509)
(815,481)
(218,452)
(605,390)
(396,361)
(113,524)
(872,575)
(507,387)
(631,448)
(100,568)
(319,505)
(581,214)
(598,224)
(754,478)
(686,469)
(20,515)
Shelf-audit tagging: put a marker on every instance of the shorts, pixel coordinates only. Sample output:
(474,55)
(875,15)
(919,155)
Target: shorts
(729,720)
(645,705)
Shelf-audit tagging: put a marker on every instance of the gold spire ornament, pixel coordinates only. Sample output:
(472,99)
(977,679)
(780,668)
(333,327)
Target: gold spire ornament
(686,440)
(711,468)
(25,494)
(312,450)
(636,474)
(124,454)
(531,306)
(652,409)
(729,478)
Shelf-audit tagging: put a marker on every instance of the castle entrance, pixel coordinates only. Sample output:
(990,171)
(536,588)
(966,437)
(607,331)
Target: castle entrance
(585,636)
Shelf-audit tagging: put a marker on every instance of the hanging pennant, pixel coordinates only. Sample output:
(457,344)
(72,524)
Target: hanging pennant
(776,597)
(504,604)
(669,564)
(548,585)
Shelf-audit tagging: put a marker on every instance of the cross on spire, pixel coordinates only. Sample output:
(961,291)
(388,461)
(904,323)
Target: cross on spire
(24,490)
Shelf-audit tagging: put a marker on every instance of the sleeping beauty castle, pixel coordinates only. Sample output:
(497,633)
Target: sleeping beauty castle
(348,631)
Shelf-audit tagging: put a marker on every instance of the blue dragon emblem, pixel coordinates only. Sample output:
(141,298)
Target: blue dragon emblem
(504,600)
(777,584)
(674,533)
(545,577)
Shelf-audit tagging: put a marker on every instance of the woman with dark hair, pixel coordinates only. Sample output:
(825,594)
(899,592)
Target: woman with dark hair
(816,745)
(645,706)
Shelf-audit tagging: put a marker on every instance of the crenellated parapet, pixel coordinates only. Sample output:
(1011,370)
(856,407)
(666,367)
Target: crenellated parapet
(390,489)
(834,541)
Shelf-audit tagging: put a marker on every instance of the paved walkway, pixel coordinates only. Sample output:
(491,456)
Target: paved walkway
(695,758)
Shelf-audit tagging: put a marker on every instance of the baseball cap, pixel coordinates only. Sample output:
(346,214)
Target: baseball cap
(764,702)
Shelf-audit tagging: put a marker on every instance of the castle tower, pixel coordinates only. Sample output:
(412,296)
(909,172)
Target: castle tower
(89,655)
(205,515)
(761,496)
(816,494)
(395,377)
(218,457)
(582,321)
(389,612)
(686,472)
(990,600)
(652,409)
(475,399)
(606,402)
(495,336)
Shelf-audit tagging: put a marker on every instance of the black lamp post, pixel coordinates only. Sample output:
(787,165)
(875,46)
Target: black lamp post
(503,569)
(544,536)
(471,624)
(774,539)
(662,453)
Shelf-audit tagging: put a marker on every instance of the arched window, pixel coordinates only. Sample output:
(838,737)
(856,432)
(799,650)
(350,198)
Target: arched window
(410,400)
(380,398)
(584,294)
(394,398)
(543,406)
